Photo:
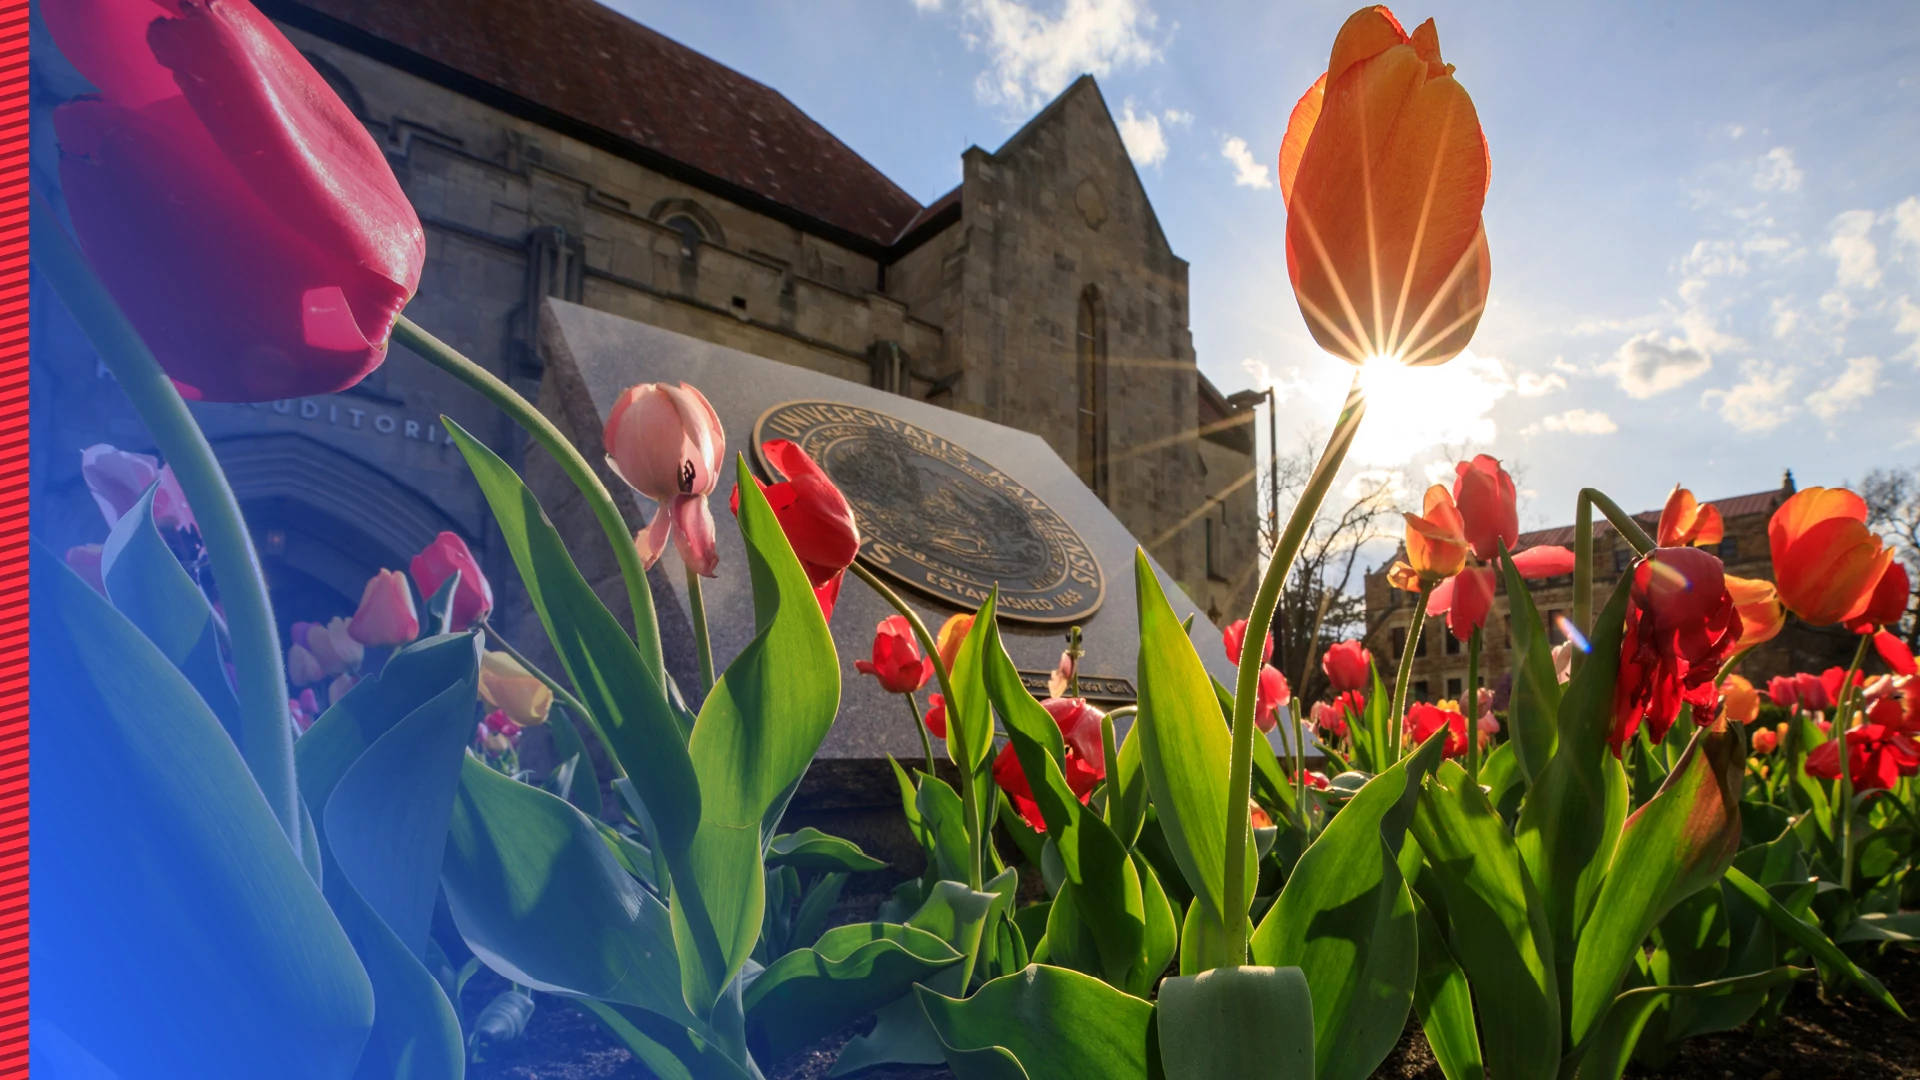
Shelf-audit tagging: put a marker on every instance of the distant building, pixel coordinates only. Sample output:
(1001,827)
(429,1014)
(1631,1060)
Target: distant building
(1440,661)
(557,148)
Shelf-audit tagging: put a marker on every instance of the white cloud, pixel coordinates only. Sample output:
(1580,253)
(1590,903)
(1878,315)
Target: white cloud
(1785,317)
(927,5)
(1758,402)
(1713,258)
(1177,118)
(1527,384)
(1246,171)
(1389,484)
(1906,222)
(1734,131)
(1652,364)
(1848,390)
(1574,422)
(1032,55)
(1777,172)
(1146,143)
(1565,366)
(1441,472)
(1775,248)
(1853,250)
(1908,322)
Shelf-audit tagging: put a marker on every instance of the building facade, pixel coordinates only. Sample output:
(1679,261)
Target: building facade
(1440,660)
(559,149)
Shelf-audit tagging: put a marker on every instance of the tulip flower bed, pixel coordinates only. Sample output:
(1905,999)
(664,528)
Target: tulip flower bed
(342,869)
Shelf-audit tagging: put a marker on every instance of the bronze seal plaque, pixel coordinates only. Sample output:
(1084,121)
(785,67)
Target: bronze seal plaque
(936,517)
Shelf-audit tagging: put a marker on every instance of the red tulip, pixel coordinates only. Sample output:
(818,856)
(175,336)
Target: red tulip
(1384,171)
(386,615)
(303,709)
(1684,522)
(815,516)
(936,718)
(1318,780)
(1892,650)
(1487,500)
(85,560)
(1877,757)
(1271,695)
(1812,692)
(897,661)
(1348,666)
(1236,634)
(1423,720)
(473,597)
(116,479)
(1085,763)
(1330,718)
(1681,626)
(1887,604)
(1782,691)
(1465,600)
(666,442)
(1834,679)
(1827,564)
(240,214)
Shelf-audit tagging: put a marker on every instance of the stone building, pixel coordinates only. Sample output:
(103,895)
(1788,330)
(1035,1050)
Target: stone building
(558,149)
(1440,661)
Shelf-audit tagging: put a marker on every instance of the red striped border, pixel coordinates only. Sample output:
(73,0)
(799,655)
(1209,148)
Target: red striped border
(13,537)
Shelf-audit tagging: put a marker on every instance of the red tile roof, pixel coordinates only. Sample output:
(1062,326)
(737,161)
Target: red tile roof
(1734,506)
(583,61)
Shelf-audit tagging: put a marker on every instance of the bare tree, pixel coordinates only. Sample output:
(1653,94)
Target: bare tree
(1893,511)
(1321,600)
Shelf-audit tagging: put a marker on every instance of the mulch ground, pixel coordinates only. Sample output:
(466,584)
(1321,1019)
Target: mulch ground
(1815,1039)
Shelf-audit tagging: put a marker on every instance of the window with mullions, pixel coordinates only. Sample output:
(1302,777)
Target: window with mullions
(1091,377)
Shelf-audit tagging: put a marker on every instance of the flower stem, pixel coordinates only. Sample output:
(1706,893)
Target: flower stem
(266,733)
(1621,520)
(920,725)
(697,604)
(1233,942)
(1472,706)
(956,740)
(1843,785)
(646,628)
(1110,758)
(1397,706)
(1582,575)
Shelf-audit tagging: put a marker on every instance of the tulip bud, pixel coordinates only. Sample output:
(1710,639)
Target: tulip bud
(1742,699)
(897,662)
(666,443)
(386,615)
(1235,635)
(303,709)
(116,479)
(952,634)
(1271,695)
(333,646)
(1827,565)
(1488,504)
(1684,522)
(473,597)
(302,668)
(814,515)
(512,691)
(1347,665)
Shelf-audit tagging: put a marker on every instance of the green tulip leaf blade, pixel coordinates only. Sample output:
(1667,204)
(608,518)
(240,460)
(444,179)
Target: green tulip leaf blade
(1042,1023)
(850,972)
(1810,937)
(1236,1022)
(1605,1054)
(808,848)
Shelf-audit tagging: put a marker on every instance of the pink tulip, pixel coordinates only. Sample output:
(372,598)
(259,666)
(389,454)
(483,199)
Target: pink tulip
(304,710)
(667,444)
(117,479)
(473,597)
(386,615)
(302,668)
(1270,697)
(1235,635)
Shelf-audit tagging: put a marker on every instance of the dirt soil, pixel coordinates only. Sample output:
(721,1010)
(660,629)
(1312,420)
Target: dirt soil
(1843,1036)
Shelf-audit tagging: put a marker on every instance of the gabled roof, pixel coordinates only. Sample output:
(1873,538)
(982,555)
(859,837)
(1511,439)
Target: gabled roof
(1731,507)
(570,64)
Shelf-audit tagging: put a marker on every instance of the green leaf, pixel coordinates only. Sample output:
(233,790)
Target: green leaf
(667,1050)
(1604,1055)
(1809,937)
(205,948)
(1042,1023)
(756,735)
(1184,748)
(1105,894)
(584,789)
(1535,701)
(1237,1022)
(627,700)
(1345,918)
(439,606)
(145,580)
(944,817)
(848,973)
(1901,927)
(1675,845)
(383,764)
(1498,931)
(810,849)
(1572,817)
(539,898)
(901,1034)
(1444,1001)
(1128,792)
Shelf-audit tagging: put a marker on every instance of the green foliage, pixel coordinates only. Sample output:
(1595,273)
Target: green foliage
(1236,1022)
(1043,1023)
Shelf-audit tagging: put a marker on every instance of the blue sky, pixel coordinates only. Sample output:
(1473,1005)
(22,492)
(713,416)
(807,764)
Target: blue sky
(1705,222)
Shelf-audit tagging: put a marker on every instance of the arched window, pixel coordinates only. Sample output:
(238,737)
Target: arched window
(691,221)
(691,235)
(1091,377)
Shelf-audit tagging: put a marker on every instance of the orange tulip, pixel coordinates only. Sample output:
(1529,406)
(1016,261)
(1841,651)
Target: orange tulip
(952,633)
(1826,562)
(1742,700)
(1384,170)
(1686,523)
(1761,616)
(1436,543)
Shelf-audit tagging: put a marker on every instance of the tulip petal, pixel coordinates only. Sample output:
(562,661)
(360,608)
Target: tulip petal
(1827,574)
(1807,508)
(693,533)
(1300,125)
(1894,652)
(651,541)
(106,41)
(1366,34)
(1544,561)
